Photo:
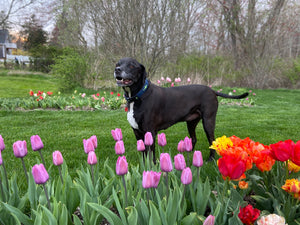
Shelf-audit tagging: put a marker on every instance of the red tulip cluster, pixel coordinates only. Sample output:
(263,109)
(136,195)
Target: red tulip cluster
(248,215)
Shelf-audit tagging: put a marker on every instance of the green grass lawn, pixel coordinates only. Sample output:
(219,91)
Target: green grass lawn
(274,117)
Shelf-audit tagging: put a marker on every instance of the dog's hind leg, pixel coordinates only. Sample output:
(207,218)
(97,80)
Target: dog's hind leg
(209,128)
(191,125)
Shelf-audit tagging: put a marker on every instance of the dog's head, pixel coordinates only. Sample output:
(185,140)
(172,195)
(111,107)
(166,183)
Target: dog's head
(128,71)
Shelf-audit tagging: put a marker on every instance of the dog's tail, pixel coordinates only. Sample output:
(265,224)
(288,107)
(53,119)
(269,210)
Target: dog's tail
(232,96)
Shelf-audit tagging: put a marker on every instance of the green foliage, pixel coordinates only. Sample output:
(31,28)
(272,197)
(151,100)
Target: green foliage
(71,67)
(294,73)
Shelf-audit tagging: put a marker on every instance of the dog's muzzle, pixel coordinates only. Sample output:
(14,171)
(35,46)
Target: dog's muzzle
(122,78)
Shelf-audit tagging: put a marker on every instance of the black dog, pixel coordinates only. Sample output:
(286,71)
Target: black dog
(153,108)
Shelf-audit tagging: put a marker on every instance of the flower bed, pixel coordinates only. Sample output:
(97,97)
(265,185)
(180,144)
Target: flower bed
(256,184)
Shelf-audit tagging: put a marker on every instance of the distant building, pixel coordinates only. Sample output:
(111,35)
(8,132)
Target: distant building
(5,45)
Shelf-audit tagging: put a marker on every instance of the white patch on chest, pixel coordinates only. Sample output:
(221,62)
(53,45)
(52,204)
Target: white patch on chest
(130,117)
(130,113)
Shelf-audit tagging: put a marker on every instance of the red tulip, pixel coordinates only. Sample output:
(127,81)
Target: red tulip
(230,167)
(140,145)
(248,215)
(20,149)
(179,162)
(148,139)
(36,143)
(165,162)
(197,159)
(186,176)
(88,146)
(121,166)
(92,158)
(117,134)
(2,145)
(161,139)
(40,174)
(281,151)
(119,148)
(57,158)
(188,144)
(181,146)
(295,156)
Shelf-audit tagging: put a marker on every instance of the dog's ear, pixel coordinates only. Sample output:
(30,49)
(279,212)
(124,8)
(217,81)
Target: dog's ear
(143,71)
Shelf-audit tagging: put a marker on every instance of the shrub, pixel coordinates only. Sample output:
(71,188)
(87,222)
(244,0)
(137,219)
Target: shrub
(71,67)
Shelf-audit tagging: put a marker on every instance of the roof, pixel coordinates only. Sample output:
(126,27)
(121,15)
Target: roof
(4,36)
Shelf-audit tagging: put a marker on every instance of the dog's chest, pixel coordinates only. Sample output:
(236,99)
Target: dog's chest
(130,117)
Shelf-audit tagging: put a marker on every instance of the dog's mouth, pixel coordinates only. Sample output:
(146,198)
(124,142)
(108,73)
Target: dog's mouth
(124,82)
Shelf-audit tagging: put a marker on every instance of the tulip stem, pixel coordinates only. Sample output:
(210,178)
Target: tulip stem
(125,190)
(5,173)
(92,173)
(198,173)
(167,184)
(188,159)
(183,194)
(47,197)
(24,167)
(61,178)
(2,192)
(42,157)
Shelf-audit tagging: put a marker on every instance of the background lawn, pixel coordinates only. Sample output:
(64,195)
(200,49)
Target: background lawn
(274,117)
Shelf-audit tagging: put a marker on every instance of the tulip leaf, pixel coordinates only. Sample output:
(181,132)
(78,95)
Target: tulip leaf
(63,219)
(16,213)
(154,215)
(111,217)
(132,216)
(192,218)
(120,210)
(76,220)
(50,216)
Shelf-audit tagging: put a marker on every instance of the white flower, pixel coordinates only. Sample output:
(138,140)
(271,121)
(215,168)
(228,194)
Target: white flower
(271,219)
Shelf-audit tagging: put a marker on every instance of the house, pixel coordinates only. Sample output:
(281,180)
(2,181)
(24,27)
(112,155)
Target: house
(5,45)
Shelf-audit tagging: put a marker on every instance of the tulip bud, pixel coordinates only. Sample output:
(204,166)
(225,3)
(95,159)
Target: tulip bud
(88,146)
(94,140)
(148,139)
(36,143)
(186,176)
(20,149)
(179,162)
(147,180)
(161,139)
(2,145)
(121,166)
(140,145)
(197,159)
(117,134)
(57,158)
(92,158)
(165,162)
(210,220)
(40,174)
(181,147)
(188,144)
(119,148)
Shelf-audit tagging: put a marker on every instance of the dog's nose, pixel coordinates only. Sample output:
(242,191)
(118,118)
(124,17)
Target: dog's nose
(118,70)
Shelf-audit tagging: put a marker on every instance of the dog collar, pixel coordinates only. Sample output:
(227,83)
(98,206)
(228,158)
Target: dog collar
(139,94)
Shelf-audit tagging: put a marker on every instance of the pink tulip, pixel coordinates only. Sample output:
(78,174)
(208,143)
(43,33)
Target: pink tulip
(88,146)
(179,162)
(189,80)
(162,79)
(165,162)
(161,139)
(181,146)
(148,139)
(168,79)
(151,179)
(102,99)
(2,145)
(158,81)
(119,148)
(117,134)
(186,176)
(1,161)
(121,166)
(172,85)
(92,158)
(197,159)
(94,140)
(210,220)
(140,145)
(188,144)
(40,174)
(57,158)
(156,178)
(20,149)
(36,143)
